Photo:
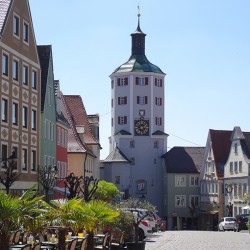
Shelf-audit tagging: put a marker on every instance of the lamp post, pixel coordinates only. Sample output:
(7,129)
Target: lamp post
(9,176)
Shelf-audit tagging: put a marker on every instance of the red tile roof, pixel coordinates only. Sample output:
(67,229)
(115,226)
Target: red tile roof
(79,116)
(74,142)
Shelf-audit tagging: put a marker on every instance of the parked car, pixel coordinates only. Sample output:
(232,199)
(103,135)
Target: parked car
(145,226)
(241,222)
(157,221)
(227,223)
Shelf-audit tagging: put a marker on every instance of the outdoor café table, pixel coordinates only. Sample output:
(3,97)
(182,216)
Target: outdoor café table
(49,245)
(15,247)
(99,238)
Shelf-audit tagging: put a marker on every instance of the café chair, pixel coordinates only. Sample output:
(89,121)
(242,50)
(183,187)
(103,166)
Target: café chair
(71,245)
(37,246)
(26,247)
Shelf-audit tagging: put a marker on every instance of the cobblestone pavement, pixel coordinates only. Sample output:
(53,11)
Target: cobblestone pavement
(198,240)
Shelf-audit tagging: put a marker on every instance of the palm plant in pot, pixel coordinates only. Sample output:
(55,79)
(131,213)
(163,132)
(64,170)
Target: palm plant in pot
(139,209)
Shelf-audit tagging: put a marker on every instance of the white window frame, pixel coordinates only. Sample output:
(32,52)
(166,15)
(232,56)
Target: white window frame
(16,25)
(25,74)
(26,32)
(180,181)
(25,116)
(5,64)
(180,201)
(15,69)
(15,113)
(24,159)
(196,198)
(195,180)
(34,119)
(4,109)
(34,79)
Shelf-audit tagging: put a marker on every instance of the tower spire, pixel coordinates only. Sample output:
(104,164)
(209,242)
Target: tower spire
(138,15)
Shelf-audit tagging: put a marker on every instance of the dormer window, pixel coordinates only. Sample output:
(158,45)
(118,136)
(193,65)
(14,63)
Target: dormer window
(236,148)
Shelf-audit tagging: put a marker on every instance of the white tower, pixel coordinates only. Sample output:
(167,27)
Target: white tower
(137,114)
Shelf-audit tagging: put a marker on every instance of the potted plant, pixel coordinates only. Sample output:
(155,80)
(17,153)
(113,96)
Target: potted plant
(136,206)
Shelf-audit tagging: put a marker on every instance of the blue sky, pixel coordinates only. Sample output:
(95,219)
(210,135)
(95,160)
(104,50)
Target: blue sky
(203,46)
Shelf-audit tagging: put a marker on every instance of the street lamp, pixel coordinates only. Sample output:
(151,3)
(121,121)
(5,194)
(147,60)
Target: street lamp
(9,176)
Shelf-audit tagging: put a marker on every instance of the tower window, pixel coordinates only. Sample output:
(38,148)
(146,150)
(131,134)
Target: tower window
(158,82)
(158,121)
(158,101)
(122,81)
(142,81)
(132,161)
(132,144)
(117,179)
(122,100)
(122,120)
(142,100)
(156,144)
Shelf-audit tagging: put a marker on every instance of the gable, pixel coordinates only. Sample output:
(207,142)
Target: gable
(16,44)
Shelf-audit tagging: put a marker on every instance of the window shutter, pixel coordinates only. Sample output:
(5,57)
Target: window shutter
(146,80)
(155,81)
(119,81)
(125,119)
(155,100)
(119,119)
(160,82)
(137,80)
(138,99)
(119,100)
(146,100)
(112,122)
(126,81)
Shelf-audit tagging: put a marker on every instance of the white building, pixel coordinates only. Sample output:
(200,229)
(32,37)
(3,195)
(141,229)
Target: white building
(237,172)
(137,113)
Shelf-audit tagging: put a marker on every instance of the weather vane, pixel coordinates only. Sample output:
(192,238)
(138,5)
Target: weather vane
(138,7)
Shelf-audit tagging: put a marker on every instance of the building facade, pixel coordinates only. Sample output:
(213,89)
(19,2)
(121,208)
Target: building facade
(48,108)
(212,178)
(20,92)
(181,187)
(237,174)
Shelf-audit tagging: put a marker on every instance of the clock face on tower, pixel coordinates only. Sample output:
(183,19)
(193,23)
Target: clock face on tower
(141,127)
